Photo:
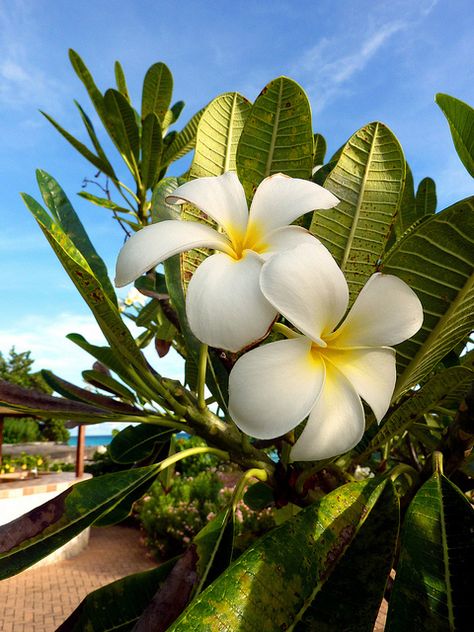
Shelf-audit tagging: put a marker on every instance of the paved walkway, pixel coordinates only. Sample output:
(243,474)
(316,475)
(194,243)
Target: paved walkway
(39,599)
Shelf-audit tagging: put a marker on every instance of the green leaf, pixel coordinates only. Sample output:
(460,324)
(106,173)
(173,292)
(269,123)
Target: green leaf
(95,141)
(183,141)
(117,606)
(433,585)
(277,136)
(157,91)
(64,214)
(368,179)
(89,84)
(218,134)
(319,149)
(97,161)
(436,259)
(460,117)
(135,443)
(121,81)
(407,214)
(351,598)
(43,405)
(426,198)
(90,288)
(71,391)
(160,209)
(259,496)
(109,357)
(37,533)
(447,385)
(122,126)
(152,148)
(173,114)
(103,202)
(278,578)
(108,383)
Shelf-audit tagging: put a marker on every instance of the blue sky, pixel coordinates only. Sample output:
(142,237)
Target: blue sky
(358,60)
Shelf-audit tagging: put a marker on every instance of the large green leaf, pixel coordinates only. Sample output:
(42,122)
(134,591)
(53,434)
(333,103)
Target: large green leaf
(277,136)
(64,214)
(217,137)
(351,598)
(184,140)
(433,585)
(152,148)
(460,117)
(37,533)
(90,288)
(157,91)
(369,180)
(447,385)
(436,259)
(218,134)
(117,606)
(106,382)
(274,583)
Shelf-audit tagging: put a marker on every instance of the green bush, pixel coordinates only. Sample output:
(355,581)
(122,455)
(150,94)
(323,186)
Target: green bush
(171,518)
(24,430)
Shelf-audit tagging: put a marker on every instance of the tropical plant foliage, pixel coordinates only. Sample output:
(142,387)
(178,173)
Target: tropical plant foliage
(341,532)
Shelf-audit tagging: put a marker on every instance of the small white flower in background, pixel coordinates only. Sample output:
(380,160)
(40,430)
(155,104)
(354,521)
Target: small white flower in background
(224,303)
(324,372)
(361,473)
(134,296)
(101,449)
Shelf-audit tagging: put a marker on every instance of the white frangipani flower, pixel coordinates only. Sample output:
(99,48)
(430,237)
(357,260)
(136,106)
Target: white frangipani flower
(224,303)
(326,371)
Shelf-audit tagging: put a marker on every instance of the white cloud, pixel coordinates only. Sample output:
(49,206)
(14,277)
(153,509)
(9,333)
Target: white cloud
(50,349)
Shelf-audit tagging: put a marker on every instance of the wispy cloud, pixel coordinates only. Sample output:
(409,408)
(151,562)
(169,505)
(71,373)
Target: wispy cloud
(333,64)
(22,82)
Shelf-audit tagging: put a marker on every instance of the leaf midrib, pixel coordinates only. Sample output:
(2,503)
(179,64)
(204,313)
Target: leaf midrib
(444,542)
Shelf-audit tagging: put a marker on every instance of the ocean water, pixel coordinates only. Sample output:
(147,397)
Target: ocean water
(92,440)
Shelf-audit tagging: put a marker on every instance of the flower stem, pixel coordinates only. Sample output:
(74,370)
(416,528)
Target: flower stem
(202,377)
(279,328)
(239,489)
(183,454)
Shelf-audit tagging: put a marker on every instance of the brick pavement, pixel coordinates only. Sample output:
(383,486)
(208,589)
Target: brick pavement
(39,599)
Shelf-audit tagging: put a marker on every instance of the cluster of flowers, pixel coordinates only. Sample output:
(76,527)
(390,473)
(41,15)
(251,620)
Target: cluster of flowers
(265,267)
(24,462)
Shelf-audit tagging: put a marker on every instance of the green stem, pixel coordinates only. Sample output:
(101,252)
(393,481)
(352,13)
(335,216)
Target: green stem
(183,454)
(405,470)
(239,489)
(202,377)
(279,328)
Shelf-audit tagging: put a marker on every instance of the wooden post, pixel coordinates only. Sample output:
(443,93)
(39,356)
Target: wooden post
(1,437)
(81,442)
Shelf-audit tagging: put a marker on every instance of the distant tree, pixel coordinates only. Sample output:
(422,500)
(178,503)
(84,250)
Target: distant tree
(16,368)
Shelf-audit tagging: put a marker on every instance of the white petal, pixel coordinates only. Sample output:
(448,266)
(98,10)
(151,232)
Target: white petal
(224,303)
(273,388)
(307,287)
(336,423)
(284,238)
(220,197)
(155,243)
(372,372)
(386,312)
(279,200)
